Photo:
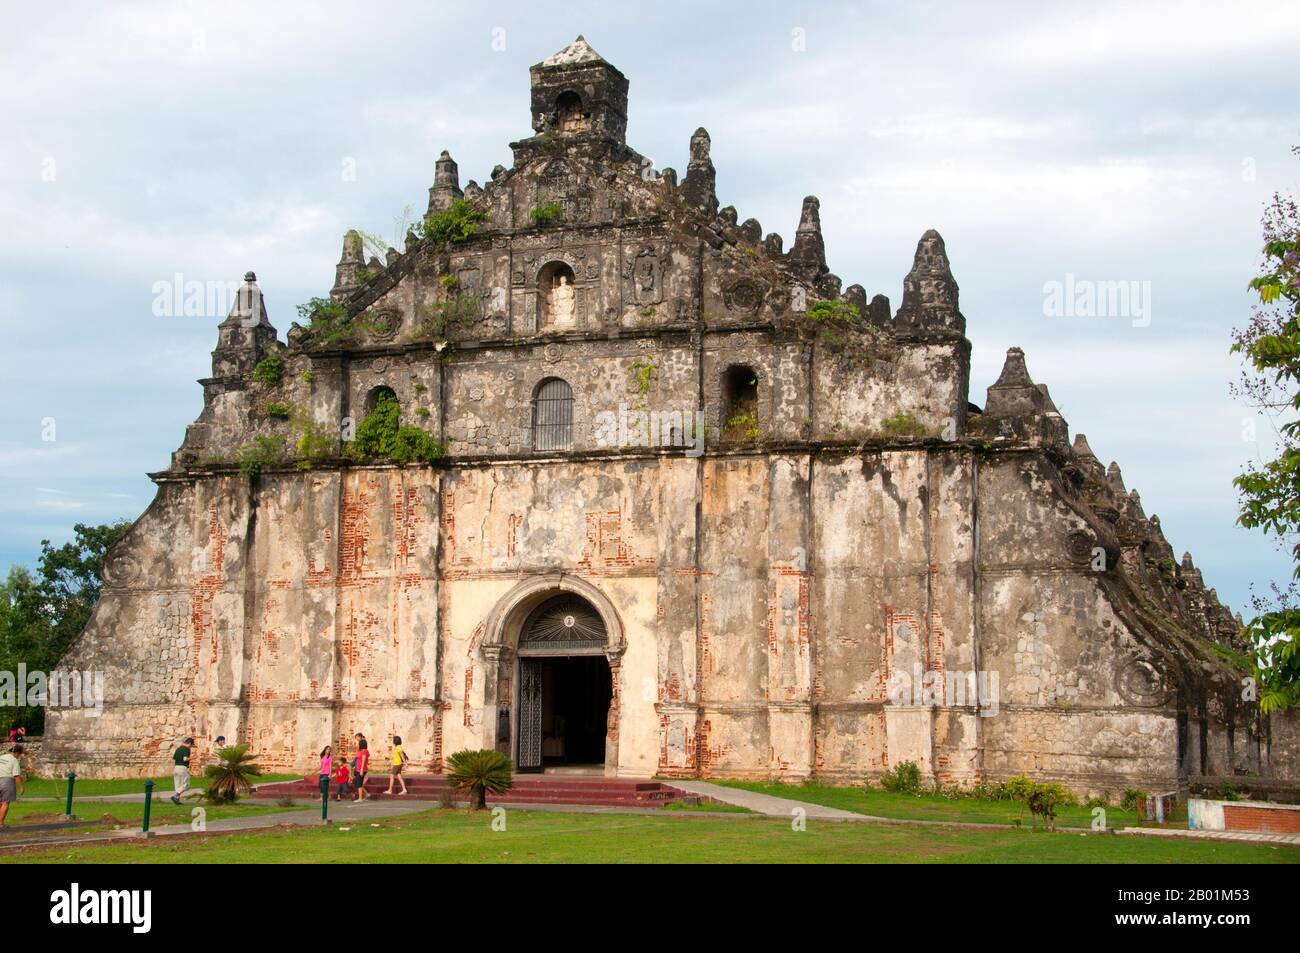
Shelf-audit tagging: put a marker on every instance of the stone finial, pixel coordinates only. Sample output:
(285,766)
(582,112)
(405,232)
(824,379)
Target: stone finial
(1025,406)
(930,291)
(1014,393)
(1115,478)
(391,256)
(879,313)
(249,309)
(246,335)
(577,53)
(808,253)
(1082,450)
(773,244)
(446,183)
(1190,573)
(347,274)
(700,185)
(856,295)
(1135,503)
(751,231)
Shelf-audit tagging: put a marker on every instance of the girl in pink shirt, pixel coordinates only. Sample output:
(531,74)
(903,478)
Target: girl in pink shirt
(362,767)
(326,762)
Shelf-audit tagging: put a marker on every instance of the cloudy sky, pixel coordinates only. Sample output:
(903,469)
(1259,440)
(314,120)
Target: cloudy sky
(1136,142)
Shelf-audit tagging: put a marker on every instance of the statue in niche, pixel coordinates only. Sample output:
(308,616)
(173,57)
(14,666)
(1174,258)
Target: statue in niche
(560,309)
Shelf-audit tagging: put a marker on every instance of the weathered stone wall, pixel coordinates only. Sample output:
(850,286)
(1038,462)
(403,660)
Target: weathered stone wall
(761,634)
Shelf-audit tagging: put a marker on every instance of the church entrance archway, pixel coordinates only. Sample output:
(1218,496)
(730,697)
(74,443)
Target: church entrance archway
(565,686)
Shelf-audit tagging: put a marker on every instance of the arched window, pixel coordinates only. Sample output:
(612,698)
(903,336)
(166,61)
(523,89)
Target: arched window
(553,415)
(740,403)
(569,115)
(377,394)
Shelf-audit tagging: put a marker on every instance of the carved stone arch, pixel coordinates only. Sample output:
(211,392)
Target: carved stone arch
(556,256)
(498,651)
(501,632)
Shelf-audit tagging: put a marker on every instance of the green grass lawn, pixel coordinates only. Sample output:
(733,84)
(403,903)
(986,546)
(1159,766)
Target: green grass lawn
(929,807)
(109,814)
(456,836)
(58,787)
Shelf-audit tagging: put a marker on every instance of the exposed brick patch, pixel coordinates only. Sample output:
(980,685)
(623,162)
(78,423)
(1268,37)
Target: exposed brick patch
(1241,817)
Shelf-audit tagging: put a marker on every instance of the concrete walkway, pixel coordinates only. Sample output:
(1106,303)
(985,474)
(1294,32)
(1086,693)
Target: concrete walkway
(342,813)
(1250,837)
(770,805)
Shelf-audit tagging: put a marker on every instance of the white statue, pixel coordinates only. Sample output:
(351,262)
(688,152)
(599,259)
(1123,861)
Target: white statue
(561,304)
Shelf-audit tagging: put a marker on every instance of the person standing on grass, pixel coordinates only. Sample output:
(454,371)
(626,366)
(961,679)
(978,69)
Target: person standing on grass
(326,767)
(361,768)
(181,770)
(11,781)
(399,762)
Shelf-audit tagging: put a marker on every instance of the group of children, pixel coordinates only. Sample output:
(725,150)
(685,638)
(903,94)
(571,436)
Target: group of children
(350,778)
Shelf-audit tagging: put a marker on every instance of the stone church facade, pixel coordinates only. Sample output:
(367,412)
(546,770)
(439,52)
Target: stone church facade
(702,512)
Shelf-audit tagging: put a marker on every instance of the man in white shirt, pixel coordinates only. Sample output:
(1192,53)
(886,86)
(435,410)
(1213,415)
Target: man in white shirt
(11,780)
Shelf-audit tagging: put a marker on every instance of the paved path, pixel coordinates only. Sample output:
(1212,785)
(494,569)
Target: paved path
(342,813)
(768,804)
(1291,840)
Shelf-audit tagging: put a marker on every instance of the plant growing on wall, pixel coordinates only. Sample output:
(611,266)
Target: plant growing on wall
(643,375)
(327,321)
(269,370)
(381,436)
(262,451)
(458,222)
(902,425)
(443,318)
(742,425)
(314,443)
(548,213)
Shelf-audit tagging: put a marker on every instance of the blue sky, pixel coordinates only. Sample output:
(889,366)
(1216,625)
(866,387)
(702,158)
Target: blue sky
(1136,142)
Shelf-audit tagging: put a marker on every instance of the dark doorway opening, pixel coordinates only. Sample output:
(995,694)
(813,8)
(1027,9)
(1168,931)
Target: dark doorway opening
(576,692)
(573,711)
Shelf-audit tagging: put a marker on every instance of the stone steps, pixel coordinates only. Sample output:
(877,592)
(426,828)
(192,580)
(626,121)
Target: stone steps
(528,789)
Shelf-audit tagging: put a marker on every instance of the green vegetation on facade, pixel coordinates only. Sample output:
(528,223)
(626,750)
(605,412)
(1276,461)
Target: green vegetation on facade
(548,213)
(269,371)
(382,436)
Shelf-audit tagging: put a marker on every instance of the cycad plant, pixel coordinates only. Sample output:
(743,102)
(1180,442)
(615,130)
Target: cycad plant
(232,776)
(480,772)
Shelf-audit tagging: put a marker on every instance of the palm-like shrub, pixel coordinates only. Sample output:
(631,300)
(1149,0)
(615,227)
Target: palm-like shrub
(480,772)
(233,777)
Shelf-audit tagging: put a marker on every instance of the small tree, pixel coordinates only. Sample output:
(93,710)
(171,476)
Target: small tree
(233,776)
(480,772)
(1270,493)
